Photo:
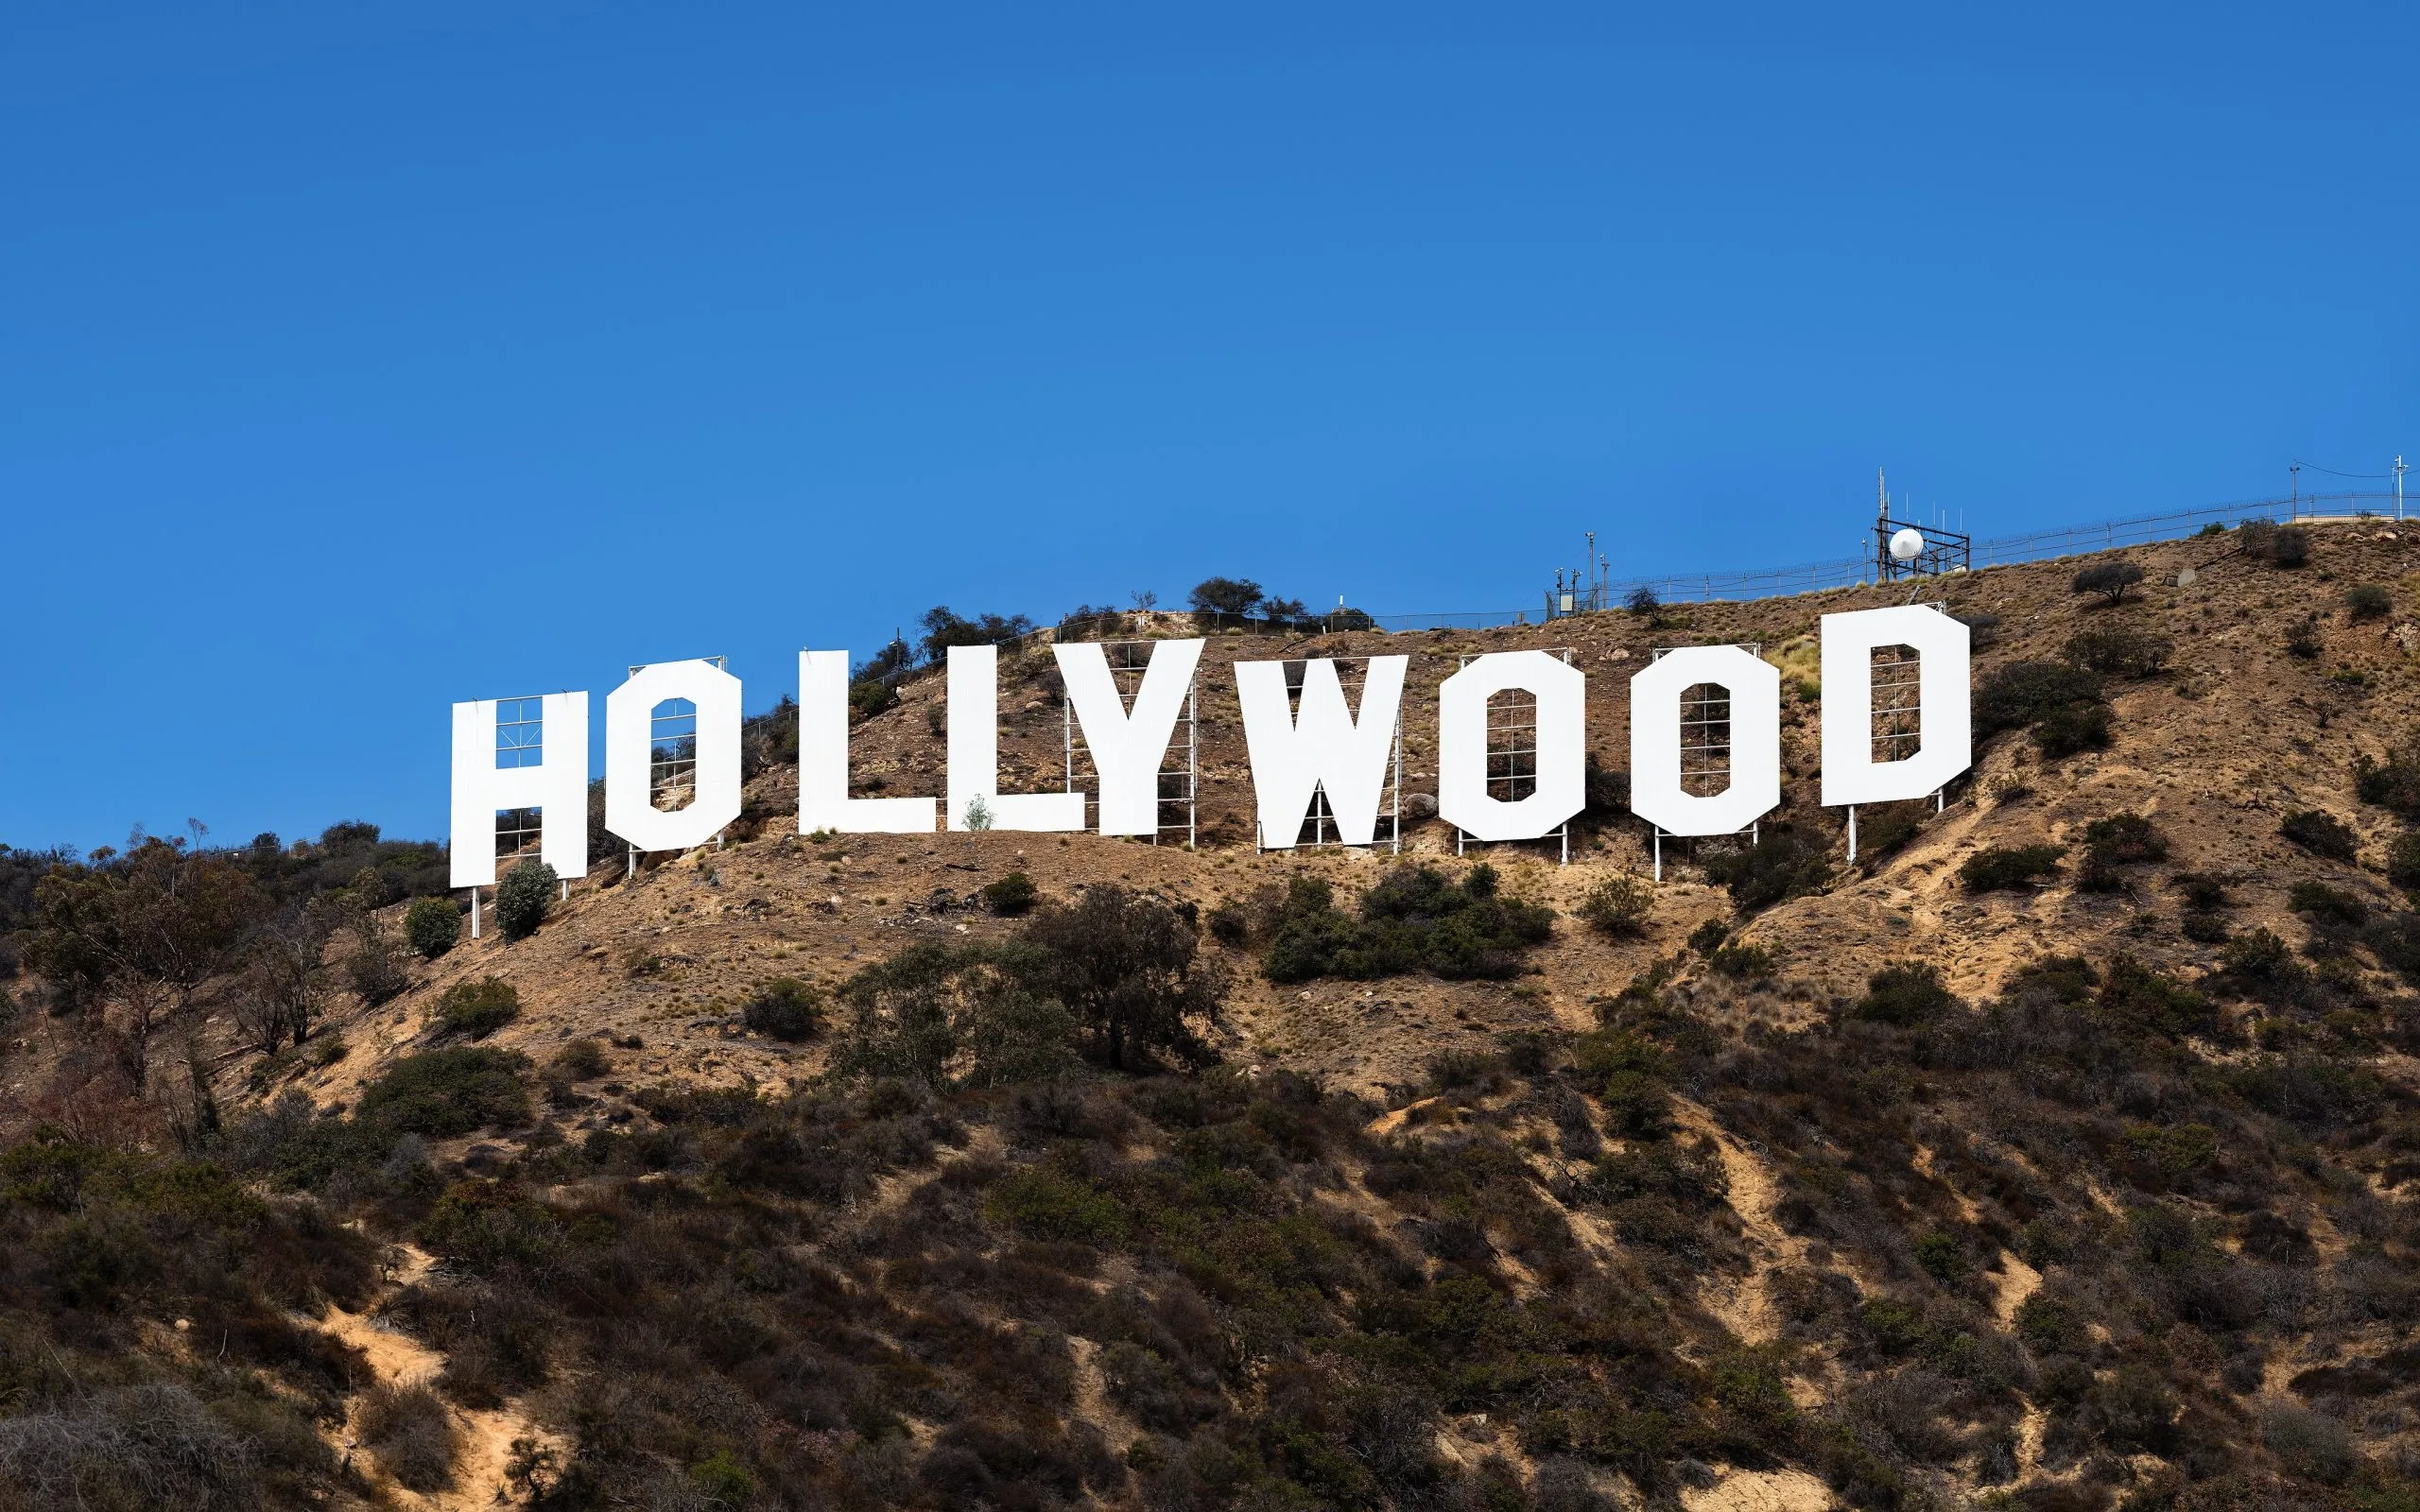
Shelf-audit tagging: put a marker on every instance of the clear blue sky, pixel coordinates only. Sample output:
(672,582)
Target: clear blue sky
(356,359)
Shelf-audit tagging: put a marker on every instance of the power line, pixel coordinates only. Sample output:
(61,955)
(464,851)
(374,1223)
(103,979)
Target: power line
(2332,472)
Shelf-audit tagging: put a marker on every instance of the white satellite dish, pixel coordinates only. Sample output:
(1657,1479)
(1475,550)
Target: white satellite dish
(1907,544)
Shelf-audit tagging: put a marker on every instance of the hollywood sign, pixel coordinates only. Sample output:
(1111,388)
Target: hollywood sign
(1312,742)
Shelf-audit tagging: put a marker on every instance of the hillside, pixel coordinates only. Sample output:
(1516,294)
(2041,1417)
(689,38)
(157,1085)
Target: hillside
(2111,1208)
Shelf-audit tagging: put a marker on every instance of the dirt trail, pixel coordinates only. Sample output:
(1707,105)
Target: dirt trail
(483,1439)
(1761,1491)
(1747,1310)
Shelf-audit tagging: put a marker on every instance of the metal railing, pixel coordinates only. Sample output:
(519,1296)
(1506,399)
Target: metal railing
(1776,582)
(2038,545)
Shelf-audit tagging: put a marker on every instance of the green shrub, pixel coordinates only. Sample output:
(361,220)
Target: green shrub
(2024,693)
(446,1092)
(2139,999)
(2118,840)
(2071,728)
(1884,829)
(1010,896)
(1905,994)
(1631,1076)
(372,967)
(522,898)
(1941,1255)
(2257,954)
(785,1008)
(2303,641)
(2201,891)
(410,1433)
(2177,1152)
(2403,860)
(432,926)
(724,1481)
(2320,834)
(1041,1203)
(2118,652)
(581,1060)
(1618,906)
(2330,904)
(2001,868)
(1228,923)
(1751,962)
(2051,1324)
(2393,783)
(474,1010)
(1415,919)
(2124,840)
(1783,864)
(1708,938)
(2368,601)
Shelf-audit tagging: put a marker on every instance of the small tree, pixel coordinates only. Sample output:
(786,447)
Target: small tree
(1225,596)
(1123,965)
(433,926)
(2110,578)
(2303,641)
(371,965)
(524,898)
(1642,601)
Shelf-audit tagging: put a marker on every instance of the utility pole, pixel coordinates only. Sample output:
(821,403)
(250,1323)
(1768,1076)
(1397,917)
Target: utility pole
(2398,487)
(2295,503)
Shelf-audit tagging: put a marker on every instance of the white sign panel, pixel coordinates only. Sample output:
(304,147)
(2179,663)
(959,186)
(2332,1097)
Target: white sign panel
(1946,738)
(629,756)
(823,800)
(556,785)
(1324,748)
(1655,791)
(975,753)
(1561,694)
(1127,747)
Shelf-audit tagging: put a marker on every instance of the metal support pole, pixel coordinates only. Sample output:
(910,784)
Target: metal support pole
(1398,803)
(475,913)
(1192,758)
(1852,832)
(1659,851)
